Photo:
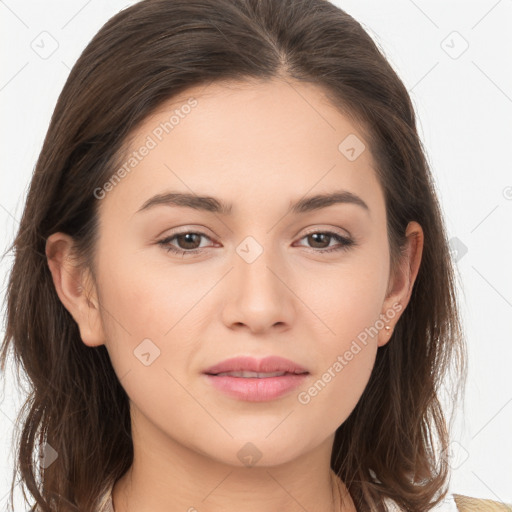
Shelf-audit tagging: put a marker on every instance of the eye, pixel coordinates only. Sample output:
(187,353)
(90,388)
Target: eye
(321,237)
(188,238)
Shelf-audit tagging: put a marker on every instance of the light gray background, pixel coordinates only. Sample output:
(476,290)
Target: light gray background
(463,97)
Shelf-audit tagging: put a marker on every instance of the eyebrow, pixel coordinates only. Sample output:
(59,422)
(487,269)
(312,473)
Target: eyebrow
(214,205)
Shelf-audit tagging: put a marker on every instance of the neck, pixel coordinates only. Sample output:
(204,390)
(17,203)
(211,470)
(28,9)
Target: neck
(125,499)
(168,477)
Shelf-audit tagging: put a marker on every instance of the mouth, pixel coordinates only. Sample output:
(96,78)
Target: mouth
(256,380)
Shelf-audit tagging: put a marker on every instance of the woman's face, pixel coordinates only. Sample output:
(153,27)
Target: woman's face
(260,283)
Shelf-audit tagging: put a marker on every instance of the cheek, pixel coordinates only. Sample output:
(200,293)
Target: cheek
(350,304)
(145,307)
(345,353)
(350,311)
(145,296)
(147,315)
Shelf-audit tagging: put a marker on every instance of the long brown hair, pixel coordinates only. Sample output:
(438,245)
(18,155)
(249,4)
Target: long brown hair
(393,443)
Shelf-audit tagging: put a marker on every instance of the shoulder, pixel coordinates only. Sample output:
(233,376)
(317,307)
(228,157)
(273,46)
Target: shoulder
(468,504)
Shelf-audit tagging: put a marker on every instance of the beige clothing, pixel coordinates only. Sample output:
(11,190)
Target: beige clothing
(467,504)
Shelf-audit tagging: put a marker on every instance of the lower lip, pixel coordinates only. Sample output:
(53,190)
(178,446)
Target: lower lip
(254,389)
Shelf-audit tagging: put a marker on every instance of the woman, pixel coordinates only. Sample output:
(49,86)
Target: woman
(232,285)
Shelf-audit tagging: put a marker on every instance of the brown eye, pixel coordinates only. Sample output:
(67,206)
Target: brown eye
(321,240)
(187,242)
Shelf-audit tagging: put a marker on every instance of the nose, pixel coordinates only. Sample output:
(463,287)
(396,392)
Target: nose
(258,295)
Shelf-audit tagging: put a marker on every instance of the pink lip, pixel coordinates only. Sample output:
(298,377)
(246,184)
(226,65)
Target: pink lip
(256,389)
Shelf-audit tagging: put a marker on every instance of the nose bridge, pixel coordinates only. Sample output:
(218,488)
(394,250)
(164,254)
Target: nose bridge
(258,296)
(256,266)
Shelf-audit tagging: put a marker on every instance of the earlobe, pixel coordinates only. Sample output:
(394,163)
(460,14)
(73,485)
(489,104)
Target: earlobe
(385,333)
(75,288)
(403,281)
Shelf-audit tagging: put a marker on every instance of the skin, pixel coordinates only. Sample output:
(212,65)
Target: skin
(260,146)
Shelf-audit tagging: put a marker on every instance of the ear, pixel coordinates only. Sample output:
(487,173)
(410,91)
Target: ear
(75,288)
(402,281)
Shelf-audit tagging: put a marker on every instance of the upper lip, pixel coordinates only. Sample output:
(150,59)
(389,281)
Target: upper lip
(266,365)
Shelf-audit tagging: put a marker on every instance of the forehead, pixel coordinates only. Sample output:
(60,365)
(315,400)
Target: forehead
(241,140)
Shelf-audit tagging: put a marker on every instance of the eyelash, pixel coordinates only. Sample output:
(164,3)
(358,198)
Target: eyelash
(347,243)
